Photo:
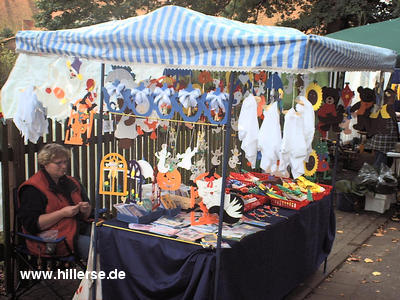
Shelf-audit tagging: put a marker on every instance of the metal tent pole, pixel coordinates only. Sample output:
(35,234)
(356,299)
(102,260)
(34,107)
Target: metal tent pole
(99,157)
(224,175)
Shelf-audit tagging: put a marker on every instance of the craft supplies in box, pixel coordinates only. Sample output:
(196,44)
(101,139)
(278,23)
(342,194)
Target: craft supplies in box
(133,213)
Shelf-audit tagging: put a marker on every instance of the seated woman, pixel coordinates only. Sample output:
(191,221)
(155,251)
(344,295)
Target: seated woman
(53,203)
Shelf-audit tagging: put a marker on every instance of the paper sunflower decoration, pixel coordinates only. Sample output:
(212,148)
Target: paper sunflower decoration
(314,95)
(310,167)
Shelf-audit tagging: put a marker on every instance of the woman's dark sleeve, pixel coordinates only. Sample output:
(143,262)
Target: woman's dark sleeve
(32,204)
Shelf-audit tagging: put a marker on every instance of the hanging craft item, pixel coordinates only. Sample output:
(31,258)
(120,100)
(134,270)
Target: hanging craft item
(162,156)
(135,180)
(216,106)
(191,105)
(197,168)
(146,169)
(310,167)
(330,115)
(164,101)
(113,170)
(116,96)
(274,82)
(186,158)
(347,95)
(170,181)
(74,68)
(363,109)
(142,101)
(215,161)
(80,122)
(314,95)
(234,159)
(379,117)
(322,150)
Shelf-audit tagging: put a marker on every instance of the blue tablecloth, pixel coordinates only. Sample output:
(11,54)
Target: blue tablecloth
(265,265)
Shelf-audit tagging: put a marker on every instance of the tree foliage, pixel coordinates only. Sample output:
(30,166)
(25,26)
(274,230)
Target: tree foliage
(7,61)
(327,16)
(61,14)
(316,16)
(6,33)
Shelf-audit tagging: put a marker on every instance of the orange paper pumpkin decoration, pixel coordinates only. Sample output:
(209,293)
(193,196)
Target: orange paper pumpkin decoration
(170,181)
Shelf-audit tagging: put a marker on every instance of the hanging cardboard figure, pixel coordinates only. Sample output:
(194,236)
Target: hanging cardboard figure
(170,181)
(186,158)
(363,109)
(80,122)
(190,105)
(113,170)
(215,161)
(314,95)
(216,105)
(162,156)
(234,159)
(378,119)
(330,115)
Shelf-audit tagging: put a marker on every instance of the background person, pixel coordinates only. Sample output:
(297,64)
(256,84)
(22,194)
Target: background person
(53,204)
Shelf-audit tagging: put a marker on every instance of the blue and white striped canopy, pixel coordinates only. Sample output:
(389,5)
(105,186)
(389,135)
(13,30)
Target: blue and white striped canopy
(176,37)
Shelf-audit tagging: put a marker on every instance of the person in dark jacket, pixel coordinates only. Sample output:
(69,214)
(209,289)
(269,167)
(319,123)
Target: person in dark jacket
(53,204)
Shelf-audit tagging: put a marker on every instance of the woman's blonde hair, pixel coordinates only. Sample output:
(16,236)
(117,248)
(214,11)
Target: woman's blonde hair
(51,151)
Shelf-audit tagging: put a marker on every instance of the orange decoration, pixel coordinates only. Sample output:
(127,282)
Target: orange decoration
(261,76)
(260,106)
(59,93)
(113,170)
(206,218)
(205,77)
(170,181)
(80,122)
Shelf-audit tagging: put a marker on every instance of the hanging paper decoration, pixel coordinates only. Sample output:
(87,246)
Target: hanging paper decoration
(163,101)
(186,158)
(314,95)
(205,77)
(80,122)
(74,68)
(215,161)
(217,103)
(197,168)
(192,105)
(234,159)
(262,76)
(146,168)
(114,91)
(347,95)
(310,167)
(135,178)
(142,101)
(170,181)
(162,157)
(113,170)
(237,96)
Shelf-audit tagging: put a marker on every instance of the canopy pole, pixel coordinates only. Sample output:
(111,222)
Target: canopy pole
(224,176)
(99,157)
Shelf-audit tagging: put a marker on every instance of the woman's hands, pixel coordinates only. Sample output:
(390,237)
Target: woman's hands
(47,220)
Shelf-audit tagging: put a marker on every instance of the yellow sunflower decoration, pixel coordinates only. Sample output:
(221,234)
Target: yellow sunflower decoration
(314,95)
(311,166)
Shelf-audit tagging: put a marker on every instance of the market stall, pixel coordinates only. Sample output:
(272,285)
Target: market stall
(177,38)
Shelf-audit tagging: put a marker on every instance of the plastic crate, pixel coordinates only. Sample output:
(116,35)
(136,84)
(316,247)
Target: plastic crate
(319,196)
(290,204)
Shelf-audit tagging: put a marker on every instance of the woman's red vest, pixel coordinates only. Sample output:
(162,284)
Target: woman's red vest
(66,227)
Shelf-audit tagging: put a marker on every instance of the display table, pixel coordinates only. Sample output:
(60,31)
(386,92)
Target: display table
(265,265)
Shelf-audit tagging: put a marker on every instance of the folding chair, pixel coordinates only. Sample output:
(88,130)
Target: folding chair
(23,259)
